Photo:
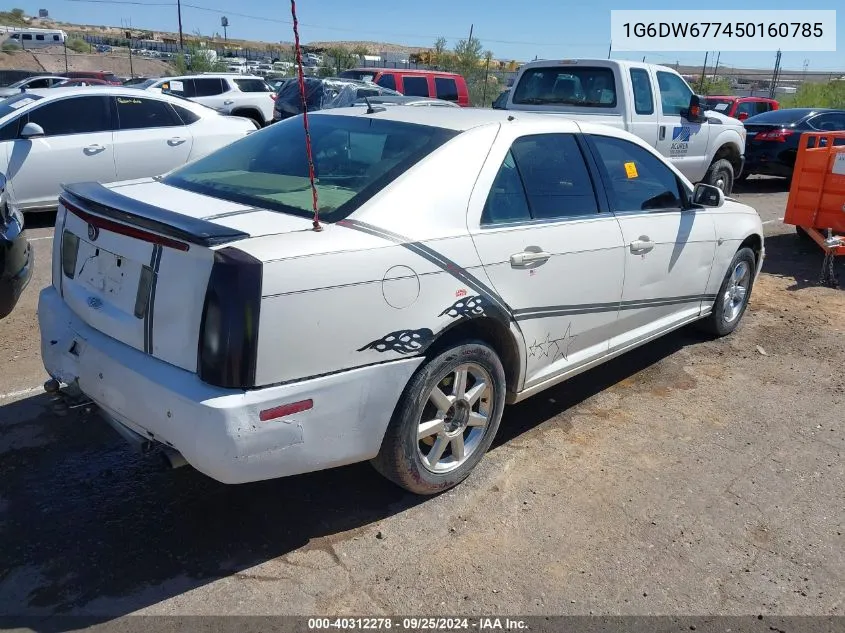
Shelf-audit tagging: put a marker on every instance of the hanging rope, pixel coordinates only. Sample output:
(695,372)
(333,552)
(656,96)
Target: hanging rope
(301,74)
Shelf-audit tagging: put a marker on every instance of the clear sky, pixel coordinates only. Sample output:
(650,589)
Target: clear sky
(523,30)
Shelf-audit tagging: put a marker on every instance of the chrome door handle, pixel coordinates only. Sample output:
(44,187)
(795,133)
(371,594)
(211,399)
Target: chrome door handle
(529,257)
(642,245)
(176,140)
(94,149)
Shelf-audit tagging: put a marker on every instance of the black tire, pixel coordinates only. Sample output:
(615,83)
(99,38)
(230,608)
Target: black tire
(255,116)
(720,171)
(716,322)
(400,458)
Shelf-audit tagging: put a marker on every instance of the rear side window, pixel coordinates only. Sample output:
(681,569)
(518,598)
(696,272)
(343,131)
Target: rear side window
(40,38)
(446,88)
(832,122)
(639,181)
(543,177)
(643,99)
(209,87)
(252,85)
(575,86)
(27,36)
(387,81)
(415,86)
(186,115)
(135,114)
(763,106)
(77,115)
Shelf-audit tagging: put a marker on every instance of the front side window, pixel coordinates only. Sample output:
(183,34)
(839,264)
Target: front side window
(762,106)
(643,99)
(675,94)
(40,38)
(574,86)
(180,87)
(354,159)
(638,180)
(748,108)
(415,86)
(77,115)
(27,36)
(136,114)
(40,83)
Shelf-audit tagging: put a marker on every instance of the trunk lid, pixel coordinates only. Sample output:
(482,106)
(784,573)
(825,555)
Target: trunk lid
(133,259)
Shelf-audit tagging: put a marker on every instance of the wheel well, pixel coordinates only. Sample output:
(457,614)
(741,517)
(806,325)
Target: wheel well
(730,153)
(491,331)
(755,243)
(252,113)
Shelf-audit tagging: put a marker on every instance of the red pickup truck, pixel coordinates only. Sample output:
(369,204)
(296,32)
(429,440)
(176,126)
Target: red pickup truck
(739,107)
(415,83)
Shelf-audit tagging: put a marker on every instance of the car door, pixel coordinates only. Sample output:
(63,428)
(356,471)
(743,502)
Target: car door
(150,138)
(76,146)
(209,91)
(669,248)
(678,139)
(550,248)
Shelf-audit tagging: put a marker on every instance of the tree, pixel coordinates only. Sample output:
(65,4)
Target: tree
(343,59)
(714,86)
(817,95)
(197,60)
(78,45)
(468,57)
(360,51)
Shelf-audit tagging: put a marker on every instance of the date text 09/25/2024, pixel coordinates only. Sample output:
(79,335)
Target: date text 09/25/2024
(418,624)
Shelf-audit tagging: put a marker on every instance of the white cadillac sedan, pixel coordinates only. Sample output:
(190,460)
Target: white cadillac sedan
(467,259)
(103,134)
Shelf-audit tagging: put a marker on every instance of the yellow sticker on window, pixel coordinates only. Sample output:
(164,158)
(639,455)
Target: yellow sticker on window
(631,170)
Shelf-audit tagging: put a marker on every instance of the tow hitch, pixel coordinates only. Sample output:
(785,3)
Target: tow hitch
(71,398)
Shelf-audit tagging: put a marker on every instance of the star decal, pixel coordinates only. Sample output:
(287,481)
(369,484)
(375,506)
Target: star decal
(553,348)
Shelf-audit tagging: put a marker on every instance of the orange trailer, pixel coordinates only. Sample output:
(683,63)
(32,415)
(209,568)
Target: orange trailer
(816,201)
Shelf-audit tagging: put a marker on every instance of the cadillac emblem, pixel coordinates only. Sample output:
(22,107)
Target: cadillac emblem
(93,232)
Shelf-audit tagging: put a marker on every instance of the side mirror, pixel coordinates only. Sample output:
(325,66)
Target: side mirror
(707,196)
(2,184)
(742,116)
(694,113)
(32,130)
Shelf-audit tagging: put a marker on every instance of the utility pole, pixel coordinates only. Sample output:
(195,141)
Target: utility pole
(65,44)
(609,48)
(775,73)
(703,72)
(716,69)
(470,33)
(179,13)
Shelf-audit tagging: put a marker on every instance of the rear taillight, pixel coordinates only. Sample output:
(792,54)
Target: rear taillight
(70,250)
(228,343)
(778,136)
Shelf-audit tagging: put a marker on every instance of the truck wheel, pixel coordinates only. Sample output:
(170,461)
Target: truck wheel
(721,175)
(445,420)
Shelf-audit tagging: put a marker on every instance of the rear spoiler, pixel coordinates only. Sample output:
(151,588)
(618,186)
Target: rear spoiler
(108,203)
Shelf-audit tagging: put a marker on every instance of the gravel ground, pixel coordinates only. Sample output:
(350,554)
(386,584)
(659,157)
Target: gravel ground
(693,476)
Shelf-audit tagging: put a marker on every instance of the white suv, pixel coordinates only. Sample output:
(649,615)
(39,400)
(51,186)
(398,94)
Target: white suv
(228,93)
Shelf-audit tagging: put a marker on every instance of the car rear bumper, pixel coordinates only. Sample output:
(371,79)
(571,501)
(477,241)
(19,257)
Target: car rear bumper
(17,261)
(218,431)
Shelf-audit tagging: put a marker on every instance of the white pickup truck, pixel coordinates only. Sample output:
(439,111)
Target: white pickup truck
(653,102)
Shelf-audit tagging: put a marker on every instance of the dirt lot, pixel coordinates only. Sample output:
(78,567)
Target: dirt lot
(693,476)
(52,60)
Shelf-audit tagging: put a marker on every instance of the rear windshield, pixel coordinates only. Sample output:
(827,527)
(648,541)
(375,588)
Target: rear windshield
(253,85)
(354,158)
(361,75)
(574,86)
(719,105)
(15,103)
(780,117)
